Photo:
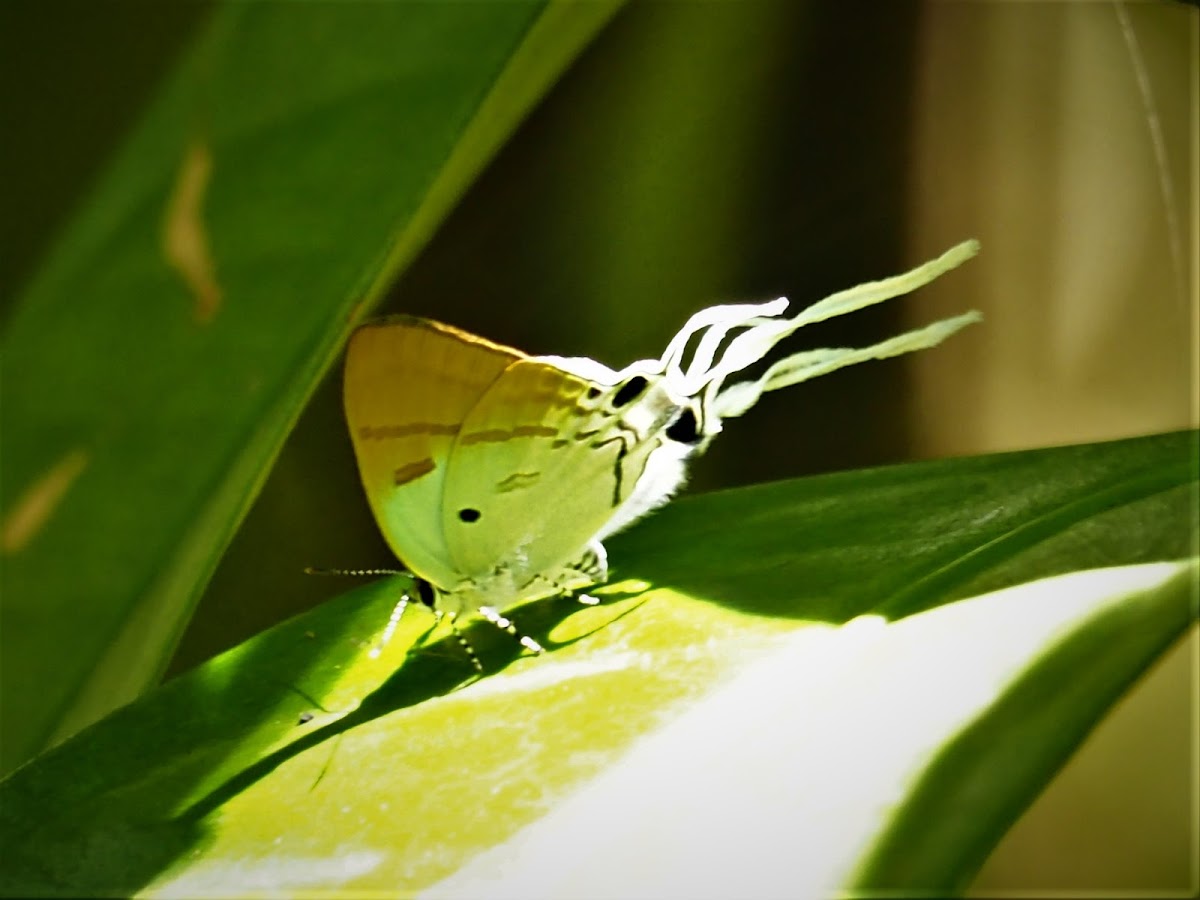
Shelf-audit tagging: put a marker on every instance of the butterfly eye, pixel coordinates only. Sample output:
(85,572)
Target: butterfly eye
(685,429)
(469,515)
(426,593)
(629,391)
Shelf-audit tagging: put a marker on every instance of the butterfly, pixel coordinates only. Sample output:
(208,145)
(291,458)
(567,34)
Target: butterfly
(495,476)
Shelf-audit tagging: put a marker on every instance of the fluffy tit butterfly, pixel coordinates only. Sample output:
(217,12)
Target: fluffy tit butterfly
(495,476)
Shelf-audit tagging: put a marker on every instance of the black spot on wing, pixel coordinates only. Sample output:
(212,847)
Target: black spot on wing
(685,429)
(629,391)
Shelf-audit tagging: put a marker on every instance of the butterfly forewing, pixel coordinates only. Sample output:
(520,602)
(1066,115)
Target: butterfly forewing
(409,386)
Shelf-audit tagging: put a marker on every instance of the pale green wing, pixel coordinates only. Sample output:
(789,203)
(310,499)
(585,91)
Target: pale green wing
(536,472)
(409,385)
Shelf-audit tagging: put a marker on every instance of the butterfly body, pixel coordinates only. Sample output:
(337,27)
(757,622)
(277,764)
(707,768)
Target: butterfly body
(495,475)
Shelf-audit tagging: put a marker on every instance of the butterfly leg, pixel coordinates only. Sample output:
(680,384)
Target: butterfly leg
(593,566)
(458,636)
(493,615)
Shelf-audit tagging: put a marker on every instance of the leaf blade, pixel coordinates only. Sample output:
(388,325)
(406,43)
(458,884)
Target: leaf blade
(419,774)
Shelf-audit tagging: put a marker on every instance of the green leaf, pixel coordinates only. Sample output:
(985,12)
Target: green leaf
(290,168)
(854,680)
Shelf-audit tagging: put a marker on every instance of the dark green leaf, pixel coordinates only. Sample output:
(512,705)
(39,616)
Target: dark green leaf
(294,163)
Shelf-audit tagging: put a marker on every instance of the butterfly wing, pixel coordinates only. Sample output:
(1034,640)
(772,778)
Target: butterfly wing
(409,385)
(538,469)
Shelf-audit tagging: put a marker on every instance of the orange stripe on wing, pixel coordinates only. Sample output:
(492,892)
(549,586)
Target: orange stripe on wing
(384,432)
(500,434)
(413,470)
(517,481)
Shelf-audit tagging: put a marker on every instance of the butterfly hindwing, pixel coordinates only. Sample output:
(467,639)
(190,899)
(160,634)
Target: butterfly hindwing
(540,466)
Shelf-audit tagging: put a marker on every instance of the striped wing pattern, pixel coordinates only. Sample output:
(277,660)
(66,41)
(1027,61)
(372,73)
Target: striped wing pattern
(542,464)
(530,460)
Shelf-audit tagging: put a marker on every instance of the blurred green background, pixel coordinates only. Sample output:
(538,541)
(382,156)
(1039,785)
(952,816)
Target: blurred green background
(720,151)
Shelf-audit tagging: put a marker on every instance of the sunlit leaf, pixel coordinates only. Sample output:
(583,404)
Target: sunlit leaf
(856,679)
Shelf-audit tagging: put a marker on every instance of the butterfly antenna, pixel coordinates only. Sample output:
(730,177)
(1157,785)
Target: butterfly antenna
(390,628)
(358,573)
(397,613)
(492,615)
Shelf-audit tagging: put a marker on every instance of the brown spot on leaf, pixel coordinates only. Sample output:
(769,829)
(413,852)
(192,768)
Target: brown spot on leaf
(36,505)
(185,237)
